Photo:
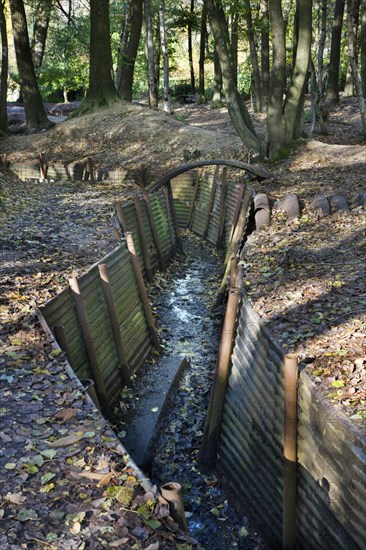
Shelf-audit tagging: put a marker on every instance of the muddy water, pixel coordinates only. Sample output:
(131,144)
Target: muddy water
(183,299)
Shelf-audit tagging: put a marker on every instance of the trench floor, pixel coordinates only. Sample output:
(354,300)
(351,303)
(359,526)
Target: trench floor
(183,298)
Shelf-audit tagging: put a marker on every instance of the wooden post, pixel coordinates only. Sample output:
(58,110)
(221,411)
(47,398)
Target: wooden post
(171,227)
(154,231)
(237,210)
(290,452)
(222,208)
(112,312)
(89,169)
(142,291)
(121,217)
(42,167)
(60,335)
(194,198)
(88,341)
(172,492)
(143,239)
(211,202)
(217,397)
(174,217)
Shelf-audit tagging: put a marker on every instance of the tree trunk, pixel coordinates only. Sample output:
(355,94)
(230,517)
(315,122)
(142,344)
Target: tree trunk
(157,55)
(33,105)
(190,48)
(363,47)
(350,85)
(126,62)
(253,56)
(125,33)
(234,44)
(101,89)
(153,93)
(203,38)
(4,71)
(265,67)
(295,98)
(164,50)
(275,123)
(236,107)
(352,61)
(40,30)
(322,38)
(217,92)
(332,95)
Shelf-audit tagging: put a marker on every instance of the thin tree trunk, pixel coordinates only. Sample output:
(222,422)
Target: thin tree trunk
(33,105)
(157,55)
(253,55)
(4,71)
(217,93)
(164,50)
(322,38)
(203,38)
(350,85)
(190,48)
(153,93)
(40,30)
(234,43)
(125,33)
(352,61)
(236,107)
(275,123)
(125,71)
(332,94)
(363,47)
(265,66)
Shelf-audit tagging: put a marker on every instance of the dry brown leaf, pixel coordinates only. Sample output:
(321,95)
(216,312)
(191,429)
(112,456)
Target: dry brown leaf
(15,498)
(106,479)
(117,543)
(89,475)
(65,441)
(66,414)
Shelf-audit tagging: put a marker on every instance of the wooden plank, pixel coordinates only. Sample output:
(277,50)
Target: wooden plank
(194,199)
(154,231)
(211,202)
(174,216)
(170,224)
(142,291)
(143,239)
(112,312)
(121,217)
(88,341)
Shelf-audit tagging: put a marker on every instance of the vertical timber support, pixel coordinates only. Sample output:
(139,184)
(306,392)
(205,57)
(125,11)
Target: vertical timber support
(173,239)
(88,341)
(154,230)
(290,452)
(60,335)
(112,313)
(211,202)
(237,210)
(143,239)
(194,198)
(121,217)
(142,291)
(174,216)
(222,208)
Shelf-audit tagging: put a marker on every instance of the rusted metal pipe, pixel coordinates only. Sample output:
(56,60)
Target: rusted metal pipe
(217,397)
(289,451)
(172,492)
(142,292)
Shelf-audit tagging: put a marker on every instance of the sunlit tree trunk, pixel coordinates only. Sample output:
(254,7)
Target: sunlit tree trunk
(332,94)
(127,58)
(190,47)
(265,67)
(235,43)
(164,50)
(353,15)
(40,31)
(153,93)
(203,39)
(4,71)
(353,64)
(35,113)
(322,38)
(363,47)
(253,55)
(217,91)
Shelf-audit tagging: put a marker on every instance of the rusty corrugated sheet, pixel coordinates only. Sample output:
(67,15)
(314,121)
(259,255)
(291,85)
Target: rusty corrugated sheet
(200,208)
(159,208)
(182,187)
(251,432)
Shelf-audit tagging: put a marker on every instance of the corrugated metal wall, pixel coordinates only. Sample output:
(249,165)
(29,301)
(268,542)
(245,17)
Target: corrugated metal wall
(251,434)
(182,187)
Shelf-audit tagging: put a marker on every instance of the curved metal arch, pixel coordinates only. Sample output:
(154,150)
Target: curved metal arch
(254,170)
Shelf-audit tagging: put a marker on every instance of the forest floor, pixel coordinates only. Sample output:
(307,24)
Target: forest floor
(306,277)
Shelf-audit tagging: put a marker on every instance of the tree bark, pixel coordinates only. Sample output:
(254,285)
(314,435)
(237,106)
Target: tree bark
(4,71)
(363,47)
(40,30)
(275,122)
(164,51)
(153,93)
(236,107)
(217,92)
(101,89)
(36,118)
(234,44)
(352,61)
(332,94)
(190,47)
(350,85)
(203,38)
(253,55)
(265,66)
(126,68)
(322,38)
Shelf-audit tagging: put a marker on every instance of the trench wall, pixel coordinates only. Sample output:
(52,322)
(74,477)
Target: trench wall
(331,473)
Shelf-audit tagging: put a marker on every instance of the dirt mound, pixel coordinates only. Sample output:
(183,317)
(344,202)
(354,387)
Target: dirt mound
(126,135)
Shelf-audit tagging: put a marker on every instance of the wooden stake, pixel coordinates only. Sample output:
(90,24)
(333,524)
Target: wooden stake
(143,239)
(171,227)
(42,167)
(60,335)
(194,198)
(290,452)
(174,217)
(154,231)
(222,208)
(88,169)
(237,210)
(211,202)
(142,291)
(88,341)
(112,312)
(121,217)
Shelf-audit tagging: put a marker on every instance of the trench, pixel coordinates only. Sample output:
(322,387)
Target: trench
(183,298)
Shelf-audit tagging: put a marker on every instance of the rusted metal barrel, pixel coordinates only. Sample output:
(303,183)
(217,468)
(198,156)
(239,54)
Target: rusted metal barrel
(172,492)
